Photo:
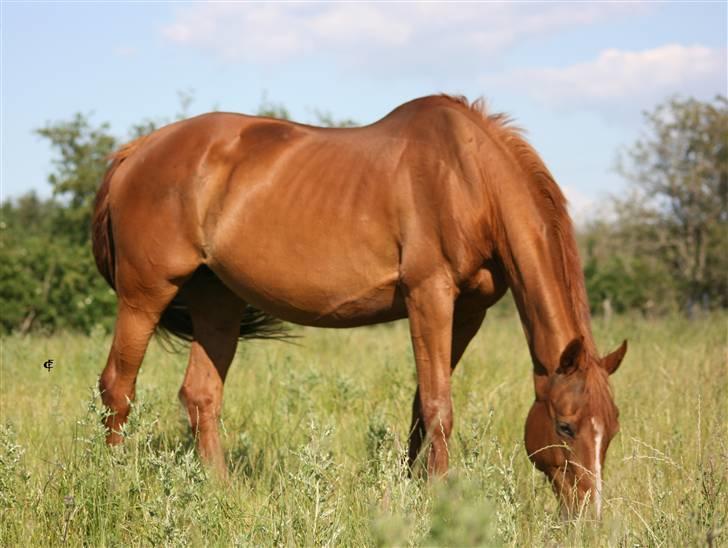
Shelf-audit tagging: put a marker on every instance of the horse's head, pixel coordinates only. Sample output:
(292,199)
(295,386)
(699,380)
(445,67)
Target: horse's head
(571,423)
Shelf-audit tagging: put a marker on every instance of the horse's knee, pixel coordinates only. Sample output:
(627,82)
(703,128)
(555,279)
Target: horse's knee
(106,382)
(114,397)
(116,402)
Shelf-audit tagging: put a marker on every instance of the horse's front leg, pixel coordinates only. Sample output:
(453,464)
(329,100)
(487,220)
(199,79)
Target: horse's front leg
(430,307)
(468,318)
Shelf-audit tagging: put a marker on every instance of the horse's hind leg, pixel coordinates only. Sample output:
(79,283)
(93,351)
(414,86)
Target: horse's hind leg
(216,313)
(137,317)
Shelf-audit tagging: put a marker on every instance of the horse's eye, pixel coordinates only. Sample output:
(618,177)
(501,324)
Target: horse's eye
(565,429)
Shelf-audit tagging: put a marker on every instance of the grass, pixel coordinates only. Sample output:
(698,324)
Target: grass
(316,435)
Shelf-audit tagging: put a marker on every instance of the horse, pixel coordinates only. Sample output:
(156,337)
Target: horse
(217,227)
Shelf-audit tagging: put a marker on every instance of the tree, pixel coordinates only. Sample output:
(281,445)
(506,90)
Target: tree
(47,273)
(619,278)
(677,207)
(323,118)
(47,279)
(271,109)
(79,166)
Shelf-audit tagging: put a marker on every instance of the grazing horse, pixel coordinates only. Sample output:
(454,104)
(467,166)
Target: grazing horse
(219,226)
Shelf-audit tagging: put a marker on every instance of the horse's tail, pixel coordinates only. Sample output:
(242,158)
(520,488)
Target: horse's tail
(255,324)
(102,236)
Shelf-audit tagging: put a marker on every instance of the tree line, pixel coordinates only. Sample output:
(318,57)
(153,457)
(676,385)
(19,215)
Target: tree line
(664,245)
(661,249)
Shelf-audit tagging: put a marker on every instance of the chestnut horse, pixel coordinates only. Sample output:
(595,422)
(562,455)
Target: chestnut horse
(217,226)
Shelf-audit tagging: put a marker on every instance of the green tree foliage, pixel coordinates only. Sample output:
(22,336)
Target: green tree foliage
(667,246)
(679,207)
(323,118)
(271,109)
(79,166)
(49,278)
(618,279)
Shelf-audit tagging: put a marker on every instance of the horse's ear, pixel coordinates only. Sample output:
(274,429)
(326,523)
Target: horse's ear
(569,361)
(611,361)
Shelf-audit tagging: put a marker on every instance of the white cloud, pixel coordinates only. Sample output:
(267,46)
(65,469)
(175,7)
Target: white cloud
(581,206)
(618,77)
(441,36)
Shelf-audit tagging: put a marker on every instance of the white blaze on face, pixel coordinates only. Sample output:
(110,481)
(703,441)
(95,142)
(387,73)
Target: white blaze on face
(598,433)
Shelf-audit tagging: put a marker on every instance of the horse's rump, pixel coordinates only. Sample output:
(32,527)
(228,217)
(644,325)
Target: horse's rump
(176,319)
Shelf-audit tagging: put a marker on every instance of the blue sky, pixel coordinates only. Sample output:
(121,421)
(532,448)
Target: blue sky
(575,75)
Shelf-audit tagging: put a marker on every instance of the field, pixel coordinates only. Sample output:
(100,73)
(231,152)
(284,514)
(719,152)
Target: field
(315,435)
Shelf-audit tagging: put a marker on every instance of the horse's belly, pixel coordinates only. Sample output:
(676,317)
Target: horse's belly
(317,293)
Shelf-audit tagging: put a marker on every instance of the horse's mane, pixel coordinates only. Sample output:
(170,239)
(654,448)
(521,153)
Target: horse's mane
(550,202)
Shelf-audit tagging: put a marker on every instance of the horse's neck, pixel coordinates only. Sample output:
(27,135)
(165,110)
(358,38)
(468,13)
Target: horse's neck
(533,255)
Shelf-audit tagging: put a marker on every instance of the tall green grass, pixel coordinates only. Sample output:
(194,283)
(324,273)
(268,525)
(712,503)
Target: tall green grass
(316,436)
